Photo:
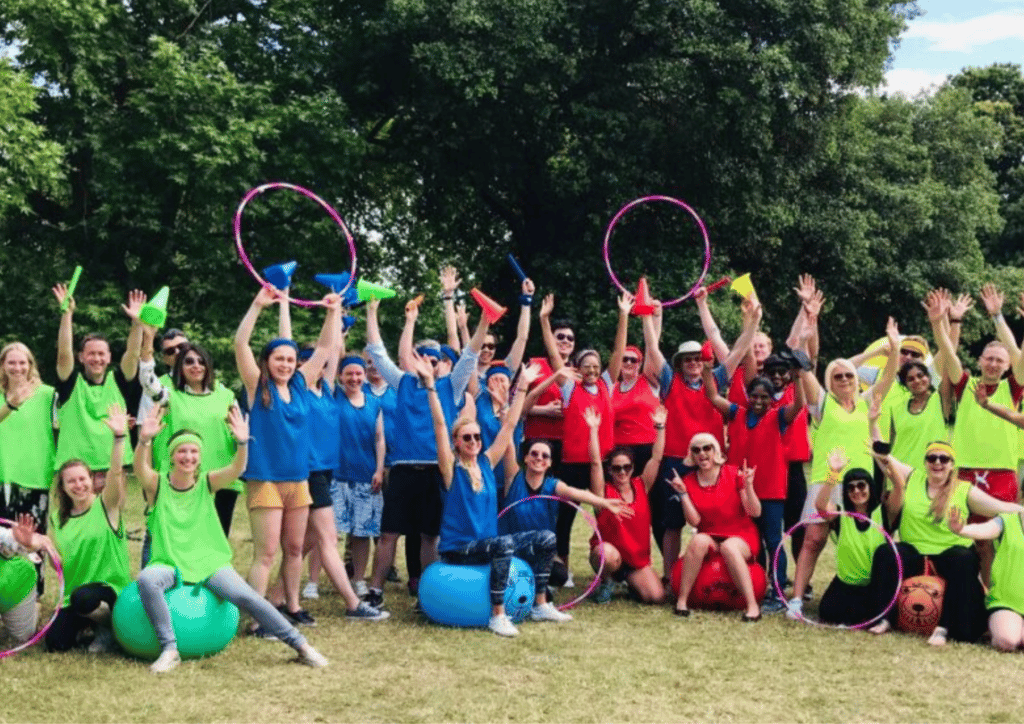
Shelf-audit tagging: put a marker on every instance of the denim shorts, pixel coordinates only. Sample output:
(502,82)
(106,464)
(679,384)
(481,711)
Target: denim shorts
(357,510)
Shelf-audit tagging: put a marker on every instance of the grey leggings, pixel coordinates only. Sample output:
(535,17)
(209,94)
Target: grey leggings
(227,584)
(21,619)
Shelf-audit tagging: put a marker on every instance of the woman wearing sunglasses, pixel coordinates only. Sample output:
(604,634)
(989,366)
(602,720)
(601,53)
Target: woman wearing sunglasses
(469,518)
(719,501)
(840,416)
(848,598)
(627,538)
(926,498)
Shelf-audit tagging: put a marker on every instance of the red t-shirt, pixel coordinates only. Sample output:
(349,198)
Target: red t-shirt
(721,508)
(539,426)
(576,432)
(630,536)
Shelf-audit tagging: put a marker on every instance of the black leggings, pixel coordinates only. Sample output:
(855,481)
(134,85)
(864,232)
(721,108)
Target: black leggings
(576,475)
(224,500)
(844,603)
(963,608)
(796,494)
(71,621)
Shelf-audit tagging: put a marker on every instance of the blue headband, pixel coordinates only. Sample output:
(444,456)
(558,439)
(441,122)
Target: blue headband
(428,352)
(497,370)
(280,341)
(351,359)
(450,353)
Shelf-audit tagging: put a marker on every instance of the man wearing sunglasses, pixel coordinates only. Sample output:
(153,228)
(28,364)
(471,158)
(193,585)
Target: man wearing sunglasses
(986,445)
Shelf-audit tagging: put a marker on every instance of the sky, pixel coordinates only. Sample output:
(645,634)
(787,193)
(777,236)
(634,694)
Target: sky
(952,34)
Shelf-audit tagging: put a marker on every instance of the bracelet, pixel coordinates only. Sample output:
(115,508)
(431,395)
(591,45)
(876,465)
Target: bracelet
(955,321)
(659,427)
(447,297)
(242,442)
(10,407)
(145,442)
(119,437)
(881,447)
(525,299)
(431,389)
(997,316)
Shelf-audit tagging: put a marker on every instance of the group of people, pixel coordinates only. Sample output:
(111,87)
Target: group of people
(431,446)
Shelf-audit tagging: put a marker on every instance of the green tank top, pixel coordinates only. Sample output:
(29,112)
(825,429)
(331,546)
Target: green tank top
(1007,589)
(205,414)
(17,575)
(894,398)
(26,442)
(91,551)
(856,548)
(915,431)
(186,530)
(981,439)
(83,434)
(839,428)
(917,526)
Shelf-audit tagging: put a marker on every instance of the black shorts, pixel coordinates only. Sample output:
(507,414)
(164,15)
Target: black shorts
(412,500)
(320,489)
(623,572)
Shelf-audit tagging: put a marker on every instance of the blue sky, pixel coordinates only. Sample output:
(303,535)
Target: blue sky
(952,34)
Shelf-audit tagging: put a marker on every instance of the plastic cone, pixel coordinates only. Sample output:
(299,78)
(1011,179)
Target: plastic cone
(350,299)
(643,304)
(491,309)
(744,287)
(368,290)
(280,275)
(154,312)
(334,282)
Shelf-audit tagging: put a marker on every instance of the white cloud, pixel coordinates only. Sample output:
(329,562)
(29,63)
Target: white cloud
(964,35)
(911,81)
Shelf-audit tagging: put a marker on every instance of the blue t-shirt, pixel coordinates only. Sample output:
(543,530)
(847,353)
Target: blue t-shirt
(468,515)
(533,515)
(280,447)
(358,443)
(322,422)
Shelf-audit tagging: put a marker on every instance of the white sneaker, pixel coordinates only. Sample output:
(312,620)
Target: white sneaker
(311,590)
(103,642)
(311,657)
(501,625)
(360,588)
(548,612)
(795,609)
(569,583)
(169,659)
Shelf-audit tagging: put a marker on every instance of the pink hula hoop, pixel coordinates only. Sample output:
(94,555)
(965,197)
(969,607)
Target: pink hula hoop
(818,518)
(60,602)
(308,194)
(593,524)
(681,204)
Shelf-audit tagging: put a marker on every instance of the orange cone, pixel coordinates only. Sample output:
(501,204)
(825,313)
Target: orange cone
(643,303)
(491,309)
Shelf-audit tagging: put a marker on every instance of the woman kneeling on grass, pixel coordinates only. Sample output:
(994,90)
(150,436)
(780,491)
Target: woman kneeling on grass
(469,519)
(187,537)
(627,539)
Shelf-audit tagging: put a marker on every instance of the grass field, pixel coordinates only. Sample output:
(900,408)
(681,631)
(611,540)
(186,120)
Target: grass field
(616,662)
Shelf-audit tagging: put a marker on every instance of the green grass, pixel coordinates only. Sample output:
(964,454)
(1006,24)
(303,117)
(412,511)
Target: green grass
(618,662)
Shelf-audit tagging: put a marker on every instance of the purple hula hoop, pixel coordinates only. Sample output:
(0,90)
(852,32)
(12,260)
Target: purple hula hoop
(308,194)
(681,204)
(593,524)
(817,517)
(60,602)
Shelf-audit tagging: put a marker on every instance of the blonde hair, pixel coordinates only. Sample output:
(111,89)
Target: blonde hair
(33,369)
(941,501)
(832,366)
(700,440)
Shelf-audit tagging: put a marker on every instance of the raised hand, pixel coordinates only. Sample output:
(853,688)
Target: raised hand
(450,280)
(529,374)
(960,307)
(805,288)
(422,367)
(747,473)
(659,415)
(981,394)
(592,417)
(60,291)
(619,508)
(527,287)
(152,425)
(992,298)
(238,423)
(136,298)
(837,460)
(892,332)
(116,419)
(935,305)
(268,295)
(547,305)
(625,302)
(813,305)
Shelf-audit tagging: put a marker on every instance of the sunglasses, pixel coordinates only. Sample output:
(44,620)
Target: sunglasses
(695,449)
(860,486)
(173,349)
(912,353)
(488,345)
(941,459)
(193,361)
(563,337)
(470,437)
(621,468)
(690,359)
(843,376)
(540,455)
(630,360)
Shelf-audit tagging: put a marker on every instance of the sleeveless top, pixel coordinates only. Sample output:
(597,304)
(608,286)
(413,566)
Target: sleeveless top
(280,446)
(632,409)
(689,412)
(468,515)
(83,434)
(840,428)
(856,549)
(323,423)
(91,551)
(1007,589)
(981,439)
(762,447)
(532,515)
(576,433)
(27,451)
(918,528)
(357,443)
(186,530)
(203,414)
(915,431)
(631,536)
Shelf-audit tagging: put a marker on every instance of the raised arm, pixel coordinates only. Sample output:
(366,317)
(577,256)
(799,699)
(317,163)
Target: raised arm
(888,376)
(65,335)
(593,419)
(151,385)
(143,461)
(130,358)
(799,403)
(689,509)
(837,460)
(710,327)
(619,347)
(115,494)
(515,353)
(327,345)
(405,346)
(239,426)
(449,284)
(654,360)
(751,321)
(284,317)
(546,308)
(721,404)
(504,437)
(650,472)
(989,530)
(558,378)
(935,306)
(751,503)
(445,456)
(248,369)
(993,300)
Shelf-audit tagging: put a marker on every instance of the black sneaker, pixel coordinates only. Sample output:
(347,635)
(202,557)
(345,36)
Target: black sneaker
(374,598)
(298,618)
(393,575)
(809,593)
(261,633)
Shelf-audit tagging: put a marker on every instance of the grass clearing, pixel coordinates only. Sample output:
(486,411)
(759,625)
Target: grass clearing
(617,662)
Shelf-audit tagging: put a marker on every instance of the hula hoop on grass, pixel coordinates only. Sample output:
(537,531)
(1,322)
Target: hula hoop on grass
(818,518)
(593,524)
(308,194)
(60,601)
(676,202)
